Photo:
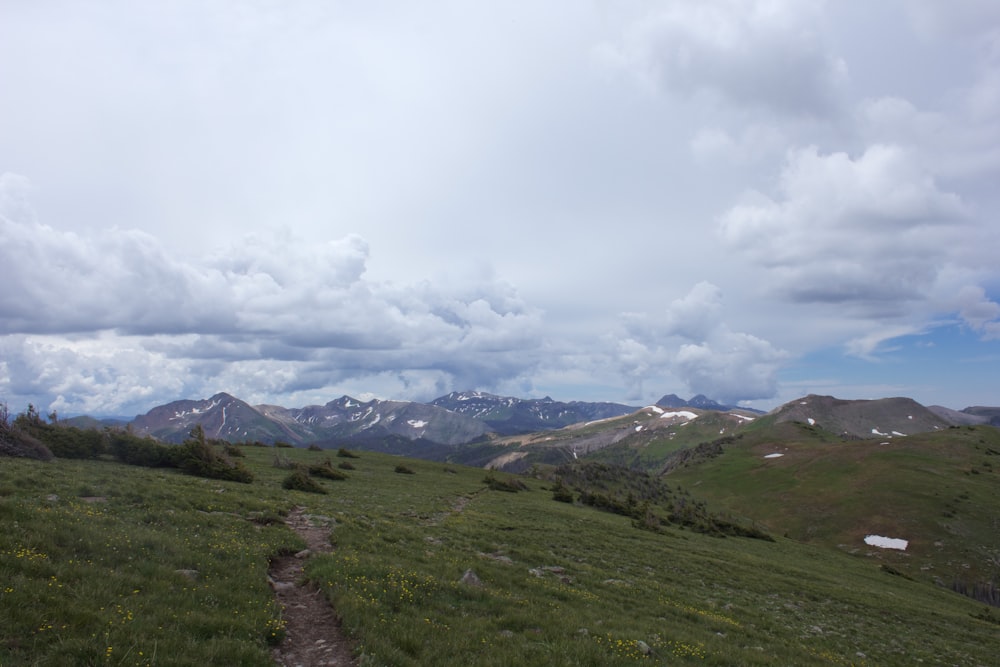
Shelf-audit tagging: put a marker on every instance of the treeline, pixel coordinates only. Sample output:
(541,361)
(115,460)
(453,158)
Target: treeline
(30,435)
(650,502)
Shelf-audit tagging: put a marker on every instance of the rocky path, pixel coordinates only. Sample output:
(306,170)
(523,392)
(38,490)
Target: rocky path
(312,631)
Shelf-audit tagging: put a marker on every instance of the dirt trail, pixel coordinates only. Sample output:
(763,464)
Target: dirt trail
(312,631)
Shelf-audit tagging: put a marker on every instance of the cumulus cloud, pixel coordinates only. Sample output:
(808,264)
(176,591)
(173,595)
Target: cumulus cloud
(866,231)
(762,54)
(692,342)
(979,312)
(112,314)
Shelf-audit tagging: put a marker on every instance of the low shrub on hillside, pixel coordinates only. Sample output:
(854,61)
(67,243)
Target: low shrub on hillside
(67,442)
(404,470)
(14,442)
(561,493)
(137,451)
(299,480)
(197,457)
(647,500)
(326,471)
(345,454)
(510,485)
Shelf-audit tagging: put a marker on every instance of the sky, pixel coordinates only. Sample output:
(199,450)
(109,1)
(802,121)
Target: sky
(600,201)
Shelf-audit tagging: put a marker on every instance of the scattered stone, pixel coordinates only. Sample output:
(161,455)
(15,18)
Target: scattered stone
(643,647)
(616,582)
(305,553)
(52,498)
(190,574)
(471,579)
(498,557)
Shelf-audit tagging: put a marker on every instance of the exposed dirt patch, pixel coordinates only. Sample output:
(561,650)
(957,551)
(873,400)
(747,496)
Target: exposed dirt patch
(312,630)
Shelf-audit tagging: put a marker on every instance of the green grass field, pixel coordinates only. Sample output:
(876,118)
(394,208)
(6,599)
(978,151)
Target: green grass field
(939,490)
(108,564)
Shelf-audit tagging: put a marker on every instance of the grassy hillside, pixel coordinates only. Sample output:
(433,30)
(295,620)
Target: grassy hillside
(940,491)
(105,563)
(641,440)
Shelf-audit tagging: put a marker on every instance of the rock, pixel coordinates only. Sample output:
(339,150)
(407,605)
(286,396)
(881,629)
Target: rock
(643,647)
(470,579)
(190,574)
(305,553)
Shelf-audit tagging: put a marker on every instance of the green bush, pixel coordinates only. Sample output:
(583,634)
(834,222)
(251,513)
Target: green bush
(326,471)
(134,450)
(510,485)
(561,493)
(66,442)
(15,442)
(403,470)
(343,453)
(198,458)
(299,480)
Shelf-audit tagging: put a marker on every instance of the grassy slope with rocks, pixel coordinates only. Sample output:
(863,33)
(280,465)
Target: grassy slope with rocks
(105,563)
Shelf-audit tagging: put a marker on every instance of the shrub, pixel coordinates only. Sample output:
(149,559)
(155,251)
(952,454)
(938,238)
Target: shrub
(561,493)
(299,480)
(344,454)
(282,443)
(510,485)
(67,442)
(403,470)
(233,450)
(198,458)
(326,471)
(133,450)
(14,442)
(315,448)
(345,465)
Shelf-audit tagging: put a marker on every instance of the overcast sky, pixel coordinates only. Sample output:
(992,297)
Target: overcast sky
(292,201)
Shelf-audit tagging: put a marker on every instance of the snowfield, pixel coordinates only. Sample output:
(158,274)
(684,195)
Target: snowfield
(886,542)
(683,413)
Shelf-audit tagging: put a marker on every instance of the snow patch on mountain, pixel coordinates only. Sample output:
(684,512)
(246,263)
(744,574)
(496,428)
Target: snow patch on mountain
(886,542)
(685,414)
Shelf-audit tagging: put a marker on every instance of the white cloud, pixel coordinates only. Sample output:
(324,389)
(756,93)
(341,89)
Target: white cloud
(979,312)
(692,342)
(855,231)
(113,316)
(763,54)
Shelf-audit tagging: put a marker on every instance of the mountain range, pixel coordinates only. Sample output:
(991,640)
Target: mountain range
(502,427)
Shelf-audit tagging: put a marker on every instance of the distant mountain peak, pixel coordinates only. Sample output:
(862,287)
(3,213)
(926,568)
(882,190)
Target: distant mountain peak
(700,401)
